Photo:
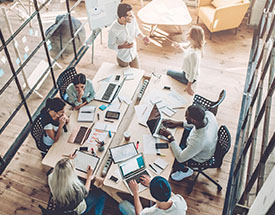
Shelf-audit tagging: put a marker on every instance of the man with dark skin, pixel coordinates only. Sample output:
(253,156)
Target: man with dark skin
(198,142)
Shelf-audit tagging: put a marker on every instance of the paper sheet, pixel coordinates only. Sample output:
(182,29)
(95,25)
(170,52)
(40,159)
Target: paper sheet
(125,99)
(95,134)
(106,126)
(143,112)
(149,144)
(175,99)
(123,152)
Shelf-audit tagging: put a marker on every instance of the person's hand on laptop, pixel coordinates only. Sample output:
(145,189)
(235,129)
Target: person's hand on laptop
(168,123)
(164,132)
(133,187)
(145,180)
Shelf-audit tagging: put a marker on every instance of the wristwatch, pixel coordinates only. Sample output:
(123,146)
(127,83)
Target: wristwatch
(170,138)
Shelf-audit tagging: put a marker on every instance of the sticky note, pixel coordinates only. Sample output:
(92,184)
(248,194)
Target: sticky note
(26,49)
(24,39)
(49,47)
(16,44)
(4,59)
(17,61)
(31,32)
(102,107)
(36,33)
(1,72)
(25,56)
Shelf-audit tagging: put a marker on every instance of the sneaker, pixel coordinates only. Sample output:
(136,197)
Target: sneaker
(180,175)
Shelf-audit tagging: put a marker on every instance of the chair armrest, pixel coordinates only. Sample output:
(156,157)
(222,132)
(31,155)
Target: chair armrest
(204,3)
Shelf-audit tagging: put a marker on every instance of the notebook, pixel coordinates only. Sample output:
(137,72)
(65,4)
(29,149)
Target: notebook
(86,113)
(82,160)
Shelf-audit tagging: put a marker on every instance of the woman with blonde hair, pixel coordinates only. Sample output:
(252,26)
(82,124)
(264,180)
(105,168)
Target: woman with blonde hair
(191,59)
(70,194)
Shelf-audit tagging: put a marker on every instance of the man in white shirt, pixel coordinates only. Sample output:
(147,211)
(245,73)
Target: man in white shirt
(167,203)
(122,37)
(197,144)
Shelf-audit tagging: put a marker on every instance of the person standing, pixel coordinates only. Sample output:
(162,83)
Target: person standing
(192,56)
(122,37)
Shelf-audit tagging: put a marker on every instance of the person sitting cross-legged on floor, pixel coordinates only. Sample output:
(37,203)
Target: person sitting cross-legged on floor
(160,189)
(198,142)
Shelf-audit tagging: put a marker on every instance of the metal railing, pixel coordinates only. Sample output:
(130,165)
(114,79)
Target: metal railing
(254,120)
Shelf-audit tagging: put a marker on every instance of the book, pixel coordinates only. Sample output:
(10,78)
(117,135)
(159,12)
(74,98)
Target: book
(86,113)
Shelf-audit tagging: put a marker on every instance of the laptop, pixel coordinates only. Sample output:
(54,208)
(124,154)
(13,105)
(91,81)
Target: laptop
(79,135)
(154,123)
(108,91)
(132,169)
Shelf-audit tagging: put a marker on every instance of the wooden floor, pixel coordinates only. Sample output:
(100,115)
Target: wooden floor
(24,184)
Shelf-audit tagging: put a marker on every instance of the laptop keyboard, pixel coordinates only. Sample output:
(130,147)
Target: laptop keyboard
(106,96)
(80,134)
(137,177)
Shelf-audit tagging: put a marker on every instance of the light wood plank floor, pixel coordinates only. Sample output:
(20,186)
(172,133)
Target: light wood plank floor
(24,184)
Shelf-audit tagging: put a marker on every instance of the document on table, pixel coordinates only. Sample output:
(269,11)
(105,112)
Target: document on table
(159,165)
(129,74)
(86,113)
(82,160)
(106,126)
(143,111)
(95,134)
(149,144)
(175,99)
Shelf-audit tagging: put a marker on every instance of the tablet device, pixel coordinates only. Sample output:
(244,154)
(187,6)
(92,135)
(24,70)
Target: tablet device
(123,152)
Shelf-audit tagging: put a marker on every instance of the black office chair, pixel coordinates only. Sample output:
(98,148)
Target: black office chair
(37,132)
(209,105)
(53,210)
(222,147)
(63,81)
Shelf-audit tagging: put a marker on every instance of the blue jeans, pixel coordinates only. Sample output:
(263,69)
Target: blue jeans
(180,166)
(126,208)
(180,76)
(96,198)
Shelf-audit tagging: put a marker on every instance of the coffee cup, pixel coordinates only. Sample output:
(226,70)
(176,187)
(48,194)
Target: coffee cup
(126,136)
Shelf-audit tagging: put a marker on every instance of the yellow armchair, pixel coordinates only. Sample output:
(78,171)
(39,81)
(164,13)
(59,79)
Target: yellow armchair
(221,15)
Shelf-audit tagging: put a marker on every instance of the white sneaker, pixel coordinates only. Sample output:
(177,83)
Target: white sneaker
(180,175)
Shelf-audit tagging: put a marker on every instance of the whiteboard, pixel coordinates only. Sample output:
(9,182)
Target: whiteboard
(101,13)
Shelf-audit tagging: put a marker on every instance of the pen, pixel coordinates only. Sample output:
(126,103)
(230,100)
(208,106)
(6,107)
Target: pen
(163,155)
(144,111)
(86,112)
(153,168)
(158,166)
(106,120)
(137,144)
(98,116)
(110,134)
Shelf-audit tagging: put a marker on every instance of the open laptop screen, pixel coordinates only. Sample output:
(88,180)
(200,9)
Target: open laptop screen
(153,119)
(132,165)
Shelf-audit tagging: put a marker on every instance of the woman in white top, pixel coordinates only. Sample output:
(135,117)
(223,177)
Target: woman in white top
(53,120)
(191,59)
(70,194)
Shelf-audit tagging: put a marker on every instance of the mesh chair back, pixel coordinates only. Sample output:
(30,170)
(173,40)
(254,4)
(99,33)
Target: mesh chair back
(223,145)
(63,81)
(209,105)
(37,132)
(53,210)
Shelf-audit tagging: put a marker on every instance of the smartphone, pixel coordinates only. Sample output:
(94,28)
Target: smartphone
(84,148)
(162,146)
(114,179)
(117,77)
(112,115)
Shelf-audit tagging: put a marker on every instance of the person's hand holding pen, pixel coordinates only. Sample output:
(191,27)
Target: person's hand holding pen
(89,172)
